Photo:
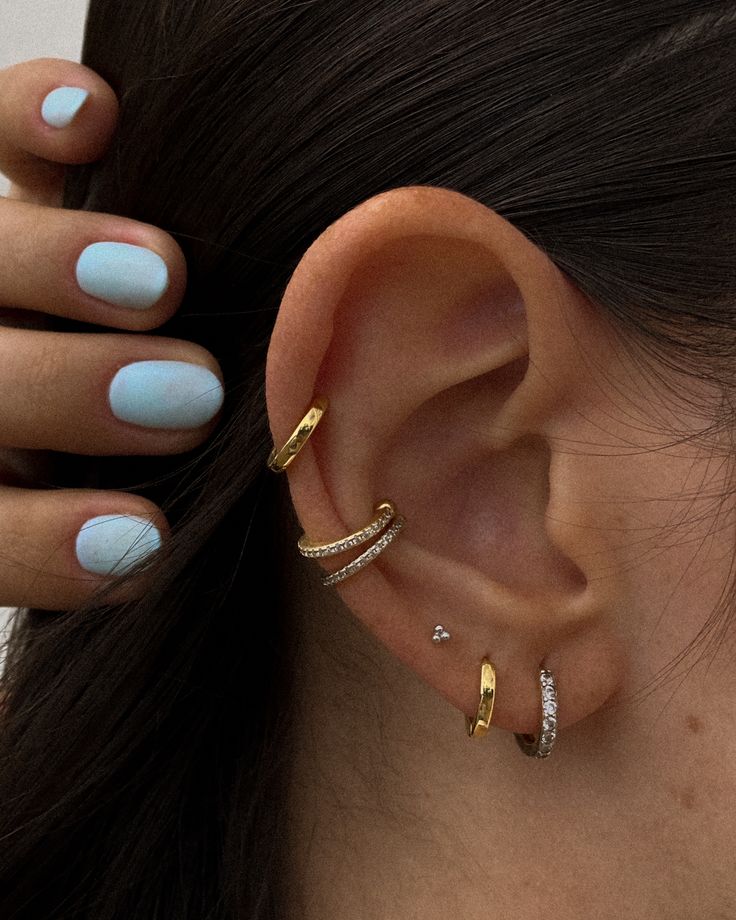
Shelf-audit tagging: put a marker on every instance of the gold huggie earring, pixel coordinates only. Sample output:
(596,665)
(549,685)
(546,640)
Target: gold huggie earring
(542,745)
(479,726)
(385,514)
(279,460)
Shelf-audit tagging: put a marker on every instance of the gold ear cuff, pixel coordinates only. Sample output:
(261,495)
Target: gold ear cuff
(280,460)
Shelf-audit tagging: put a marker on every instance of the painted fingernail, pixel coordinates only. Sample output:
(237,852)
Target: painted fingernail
(166,394)
(62,105)
(122,274)
(113,544)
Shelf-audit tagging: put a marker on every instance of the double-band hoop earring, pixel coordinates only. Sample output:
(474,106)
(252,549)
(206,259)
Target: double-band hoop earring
(385,516)
(541,745)
(478,726)
(281,459)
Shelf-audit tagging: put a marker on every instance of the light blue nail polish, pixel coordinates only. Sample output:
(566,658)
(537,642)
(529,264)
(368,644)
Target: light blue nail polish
(128,276)
(113,544)
(62,105)
(166,394)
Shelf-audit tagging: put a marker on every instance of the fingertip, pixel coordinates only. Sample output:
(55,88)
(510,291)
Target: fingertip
(56,110)
(105,247)
(75,113)
(118,542)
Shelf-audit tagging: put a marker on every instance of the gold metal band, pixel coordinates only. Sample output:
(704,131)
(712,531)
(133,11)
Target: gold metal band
(479,726)
(280,460)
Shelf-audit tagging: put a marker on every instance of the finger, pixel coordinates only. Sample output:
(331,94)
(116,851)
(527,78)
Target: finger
(102,394)
(97,268)
(57,548)
(52,112)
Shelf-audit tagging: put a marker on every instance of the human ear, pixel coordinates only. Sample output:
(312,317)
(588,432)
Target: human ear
(448,345)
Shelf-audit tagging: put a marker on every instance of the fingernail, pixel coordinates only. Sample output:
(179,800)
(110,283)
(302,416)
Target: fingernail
(113,544)
(124,275)
(166,394)
(62,105)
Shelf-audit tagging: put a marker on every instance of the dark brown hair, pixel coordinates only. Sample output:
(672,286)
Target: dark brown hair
(141,744)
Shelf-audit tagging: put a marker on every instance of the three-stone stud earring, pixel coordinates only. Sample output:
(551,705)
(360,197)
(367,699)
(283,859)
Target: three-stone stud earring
(385,527)
(281,458)
(440,635)
(541,745)
(479,725)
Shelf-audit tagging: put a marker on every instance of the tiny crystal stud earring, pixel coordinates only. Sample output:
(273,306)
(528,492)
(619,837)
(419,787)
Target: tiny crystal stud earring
(440,635)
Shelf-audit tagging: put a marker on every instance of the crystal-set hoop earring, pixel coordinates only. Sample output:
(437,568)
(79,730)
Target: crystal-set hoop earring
(541,745)
(478,726)
(385,515)
(280,459)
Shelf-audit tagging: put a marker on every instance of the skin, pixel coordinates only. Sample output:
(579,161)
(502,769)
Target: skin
(554,514)
(54,384)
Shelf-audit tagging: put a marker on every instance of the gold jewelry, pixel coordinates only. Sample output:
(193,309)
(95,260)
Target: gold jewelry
(384,513)
(479,726)
(279,460)
(542,745)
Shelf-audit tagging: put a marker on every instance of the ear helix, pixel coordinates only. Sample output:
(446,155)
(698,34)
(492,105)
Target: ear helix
(383,528)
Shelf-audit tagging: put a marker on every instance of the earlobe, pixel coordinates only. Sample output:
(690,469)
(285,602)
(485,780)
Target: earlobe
(434,327)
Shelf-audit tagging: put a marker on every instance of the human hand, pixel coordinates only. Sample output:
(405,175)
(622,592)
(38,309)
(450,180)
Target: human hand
(83,393)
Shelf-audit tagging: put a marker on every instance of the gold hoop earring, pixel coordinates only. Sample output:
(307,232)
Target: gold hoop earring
(385,513)
(479,726)
(280,460)
(541,745)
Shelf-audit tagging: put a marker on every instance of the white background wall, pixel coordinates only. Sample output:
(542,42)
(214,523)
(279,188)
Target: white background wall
(39,28)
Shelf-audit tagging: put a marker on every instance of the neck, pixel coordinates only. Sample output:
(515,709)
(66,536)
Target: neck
(396,813)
